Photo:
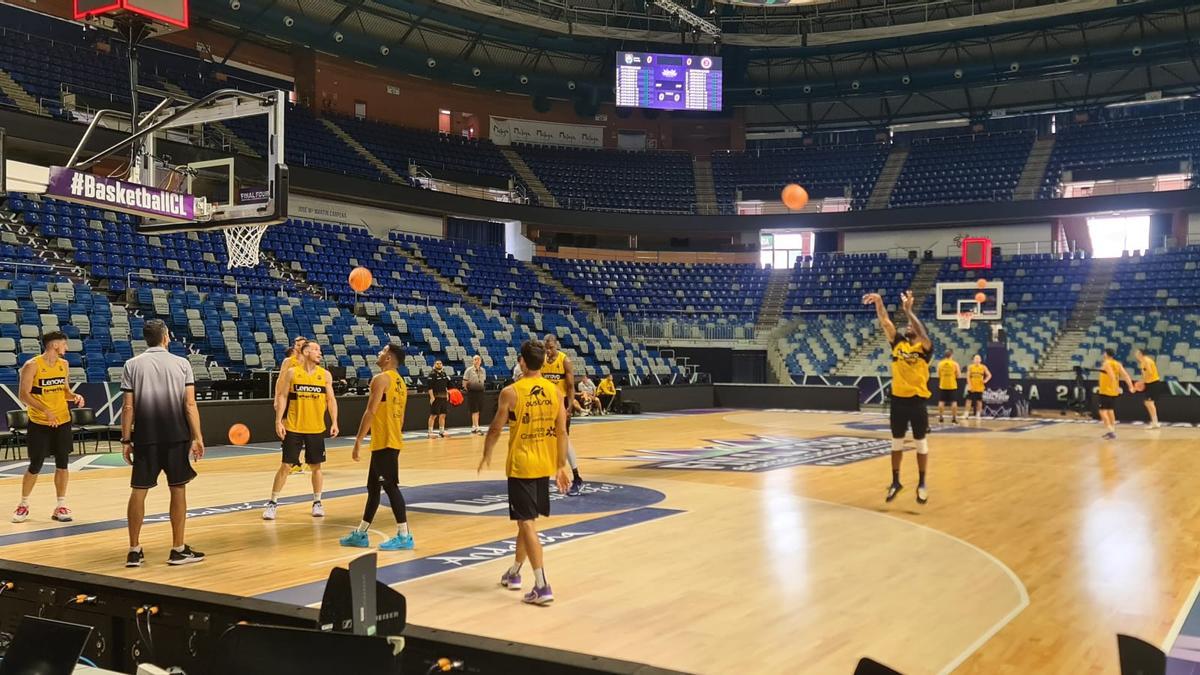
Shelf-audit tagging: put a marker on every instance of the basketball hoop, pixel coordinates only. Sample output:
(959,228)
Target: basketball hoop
(964,320)
(242,243)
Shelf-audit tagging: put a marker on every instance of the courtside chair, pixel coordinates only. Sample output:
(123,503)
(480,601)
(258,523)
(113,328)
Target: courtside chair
(18,427)
(83,420)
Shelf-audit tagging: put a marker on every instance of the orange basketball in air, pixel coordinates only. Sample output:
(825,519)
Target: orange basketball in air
(981,282)
(980,297)
(794,197)
(239,434)
(360,279)
(456,397)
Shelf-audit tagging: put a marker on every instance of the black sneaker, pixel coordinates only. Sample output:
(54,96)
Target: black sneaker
(893,490)
(184,557)
(135,559)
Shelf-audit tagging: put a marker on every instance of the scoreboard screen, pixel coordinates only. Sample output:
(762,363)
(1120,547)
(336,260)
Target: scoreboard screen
(668,81)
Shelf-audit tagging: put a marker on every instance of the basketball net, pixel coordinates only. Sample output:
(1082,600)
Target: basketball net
(242,243)
(964,320)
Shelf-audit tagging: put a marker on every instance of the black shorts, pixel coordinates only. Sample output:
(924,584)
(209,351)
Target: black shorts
(947,395)
(385,466)
(151,460)
(312,444)
(46,442)
(974,396)
(440,406)
(909,412)
(1107,402)
(475,400)
(1156,390)
(528,498)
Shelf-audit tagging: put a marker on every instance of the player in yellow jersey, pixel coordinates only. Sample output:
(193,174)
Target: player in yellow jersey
(559,370)
(1111,371)
(45,389)
(304,394)
(537,449)
(948,373)
(1153,386)
(289,362)
(911,352)
(384,420)
(978,376)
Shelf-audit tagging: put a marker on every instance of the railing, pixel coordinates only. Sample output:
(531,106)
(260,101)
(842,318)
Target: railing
(18,266)
(423,180)
(1021,247)
(151,276)
(672,329)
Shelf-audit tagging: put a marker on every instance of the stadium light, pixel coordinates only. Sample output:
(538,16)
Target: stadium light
(677,10)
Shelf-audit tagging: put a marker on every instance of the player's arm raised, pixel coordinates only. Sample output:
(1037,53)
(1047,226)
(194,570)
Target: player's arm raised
(331,403)
(906,303)
(378,387)
(504,403)
(885,321)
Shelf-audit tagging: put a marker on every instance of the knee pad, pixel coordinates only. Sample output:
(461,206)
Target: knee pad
(923,447)
(897,445)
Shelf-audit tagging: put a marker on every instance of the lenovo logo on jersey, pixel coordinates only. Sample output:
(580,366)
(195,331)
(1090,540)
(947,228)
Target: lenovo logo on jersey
(52,382)
(308,388)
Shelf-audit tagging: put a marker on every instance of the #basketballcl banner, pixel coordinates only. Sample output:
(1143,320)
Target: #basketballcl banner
(118,195)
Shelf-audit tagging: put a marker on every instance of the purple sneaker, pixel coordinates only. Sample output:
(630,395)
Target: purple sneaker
(539,596)
(511,581)
(1110,436)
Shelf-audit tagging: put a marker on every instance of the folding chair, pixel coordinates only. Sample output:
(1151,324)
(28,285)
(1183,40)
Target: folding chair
(84,422)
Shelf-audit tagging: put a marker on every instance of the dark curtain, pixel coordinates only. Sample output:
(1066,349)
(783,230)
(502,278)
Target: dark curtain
(486,232)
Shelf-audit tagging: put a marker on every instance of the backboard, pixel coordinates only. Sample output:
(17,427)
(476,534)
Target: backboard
(956,297)
(162,15)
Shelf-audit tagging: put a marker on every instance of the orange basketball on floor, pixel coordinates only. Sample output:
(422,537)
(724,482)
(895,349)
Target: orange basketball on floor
(456,397)
(980,297)
(794,197)
(981,282)
(239,434)
(360,279)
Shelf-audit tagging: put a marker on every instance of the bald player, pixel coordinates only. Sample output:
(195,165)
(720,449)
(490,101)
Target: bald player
(558,369)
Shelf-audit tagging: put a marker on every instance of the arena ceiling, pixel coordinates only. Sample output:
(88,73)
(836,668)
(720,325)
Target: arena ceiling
(843,62)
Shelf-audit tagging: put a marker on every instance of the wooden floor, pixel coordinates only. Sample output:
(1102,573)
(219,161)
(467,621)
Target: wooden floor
(1040,542)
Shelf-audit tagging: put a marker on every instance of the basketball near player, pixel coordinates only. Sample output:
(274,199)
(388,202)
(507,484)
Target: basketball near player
(1154,387)
(384,420)
(289,362)
(948,372)
(45,389)
(978,376)
(537,449)
(304,394)
(1110,371)
(911,353)
(559,370)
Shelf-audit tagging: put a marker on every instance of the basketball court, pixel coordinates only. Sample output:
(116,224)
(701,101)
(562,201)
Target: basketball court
(726,540)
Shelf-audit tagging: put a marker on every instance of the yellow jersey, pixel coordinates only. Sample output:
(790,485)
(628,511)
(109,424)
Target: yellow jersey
(532,425)
(387,426)
(606,388)
(307,402)
(1108,383)
(910,369)
(555,370)
(50,389)
(947,374)
(1149,370)
(975,375)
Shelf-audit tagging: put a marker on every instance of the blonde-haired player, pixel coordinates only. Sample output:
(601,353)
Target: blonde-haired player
(304,394)
(1153,386)
(948,372)
(978,376)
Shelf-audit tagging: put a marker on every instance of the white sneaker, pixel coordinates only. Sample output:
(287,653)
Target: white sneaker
(20,514)
(1154,426)
(318,511)
(269,512)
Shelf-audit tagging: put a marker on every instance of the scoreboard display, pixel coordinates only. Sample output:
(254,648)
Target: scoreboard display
(668,81)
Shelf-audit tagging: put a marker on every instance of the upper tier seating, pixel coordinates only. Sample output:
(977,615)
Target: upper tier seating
(613,180)
(961,169)
(823,170)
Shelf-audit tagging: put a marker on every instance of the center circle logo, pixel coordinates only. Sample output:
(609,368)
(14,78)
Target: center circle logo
(490,498)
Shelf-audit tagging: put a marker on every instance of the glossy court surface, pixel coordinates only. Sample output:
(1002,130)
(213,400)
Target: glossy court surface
(722,541)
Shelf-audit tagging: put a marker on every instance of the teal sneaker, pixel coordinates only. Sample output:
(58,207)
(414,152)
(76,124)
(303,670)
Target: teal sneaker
(397,543)
(356,539)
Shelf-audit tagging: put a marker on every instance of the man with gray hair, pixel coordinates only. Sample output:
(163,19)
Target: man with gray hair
(160,427)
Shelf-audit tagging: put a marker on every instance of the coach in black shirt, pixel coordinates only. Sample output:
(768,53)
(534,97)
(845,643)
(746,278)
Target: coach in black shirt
(439,395)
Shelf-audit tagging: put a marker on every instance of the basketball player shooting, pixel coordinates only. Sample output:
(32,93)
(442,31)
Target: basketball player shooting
(911,353)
